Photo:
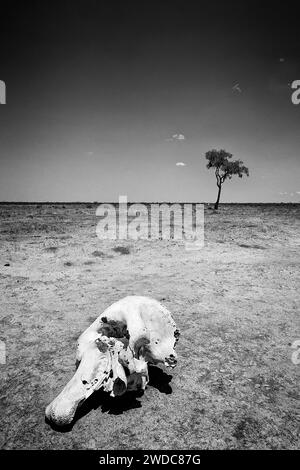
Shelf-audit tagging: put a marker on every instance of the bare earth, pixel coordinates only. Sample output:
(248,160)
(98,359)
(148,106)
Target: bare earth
(236,302)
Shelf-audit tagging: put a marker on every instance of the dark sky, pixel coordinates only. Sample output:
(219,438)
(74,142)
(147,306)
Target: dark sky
(96,90)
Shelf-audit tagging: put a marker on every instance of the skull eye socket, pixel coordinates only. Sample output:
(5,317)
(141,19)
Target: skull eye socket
(140,346)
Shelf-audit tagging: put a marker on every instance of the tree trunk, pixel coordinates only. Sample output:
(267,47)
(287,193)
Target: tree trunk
(218,198)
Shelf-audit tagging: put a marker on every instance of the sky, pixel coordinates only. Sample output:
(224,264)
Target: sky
(124,98)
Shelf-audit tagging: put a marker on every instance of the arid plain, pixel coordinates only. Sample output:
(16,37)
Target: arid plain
(236,302)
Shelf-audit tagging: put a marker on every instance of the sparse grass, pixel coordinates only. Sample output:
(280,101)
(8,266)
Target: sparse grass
(98,254)
(234,386)
(51,249)
(248,428)
(255,247)
(123,250)
(68,263)
(101,254)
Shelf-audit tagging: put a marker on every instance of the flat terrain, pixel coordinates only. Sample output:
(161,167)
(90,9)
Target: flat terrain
(236,302)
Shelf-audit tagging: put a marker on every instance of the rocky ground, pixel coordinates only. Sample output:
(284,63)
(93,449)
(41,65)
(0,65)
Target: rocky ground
(236,302)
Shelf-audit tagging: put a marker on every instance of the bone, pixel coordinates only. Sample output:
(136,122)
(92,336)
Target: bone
(89,377)
(116,383)
(114,351)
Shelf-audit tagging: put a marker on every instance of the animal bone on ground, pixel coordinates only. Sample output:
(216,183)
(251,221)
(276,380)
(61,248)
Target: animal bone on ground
(114,351)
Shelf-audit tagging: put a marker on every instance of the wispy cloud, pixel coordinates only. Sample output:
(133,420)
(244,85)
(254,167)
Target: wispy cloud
(286,193)
(176,137)
(180,164)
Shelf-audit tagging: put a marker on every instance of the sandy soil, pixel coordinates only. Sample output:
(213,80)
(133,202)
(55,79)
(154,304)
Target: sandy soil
(236,302)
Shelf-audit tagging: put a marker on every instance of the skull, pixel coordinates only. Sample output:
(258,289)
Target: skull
(114,351)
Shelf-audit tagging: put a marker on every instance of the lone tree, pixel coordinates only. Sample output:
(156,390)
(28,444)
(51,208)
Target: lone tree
(219,159)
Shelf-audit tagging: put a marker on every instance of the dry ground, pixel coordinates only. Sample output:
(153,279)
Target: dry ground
(236,302)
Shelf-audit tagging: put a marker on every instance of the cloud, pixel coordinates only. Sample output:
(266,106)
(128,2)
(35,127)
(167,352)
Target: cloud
(176,137)
(90,153)
(285,193)
(180,164)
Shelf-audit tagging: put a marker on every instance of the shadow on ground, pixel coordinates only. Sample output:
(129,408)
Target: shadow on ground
(118,405)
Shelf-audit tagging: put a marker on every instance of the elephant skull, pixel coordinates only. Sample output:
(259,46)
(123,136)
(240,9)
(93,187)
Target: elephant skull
(114,351)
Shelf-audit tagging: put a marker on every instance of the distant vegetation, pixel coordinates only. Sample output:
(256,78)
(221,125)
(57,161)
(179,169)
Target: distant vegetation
(224,169)
(123,250)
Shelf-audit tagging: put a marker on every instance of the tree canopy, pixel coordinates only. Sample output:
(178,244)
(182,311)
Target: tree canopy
(224,168)
(219,159)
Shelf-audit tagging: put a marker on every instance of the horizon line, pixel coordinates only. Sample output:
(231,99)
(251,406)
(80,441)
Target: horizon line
(142,202)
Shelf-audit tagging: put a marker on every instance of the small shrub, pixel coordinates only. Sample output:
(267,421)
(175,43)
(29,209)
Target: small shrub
(256,247)
(123,250)
(98,254)
(51,249)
